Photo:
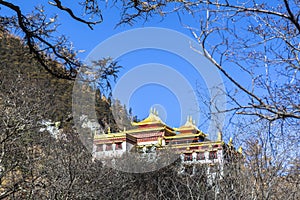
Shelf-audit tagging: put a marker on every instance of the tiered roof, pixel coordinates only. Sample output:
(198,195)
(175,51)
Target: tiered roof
(152,128)
(189,129)
(152,119)
(186,140)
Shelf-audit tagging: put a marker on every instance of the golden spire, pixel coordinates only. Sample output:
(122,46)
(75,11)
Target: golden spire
(154,112)
(108,130)
(240,150)
(230,142)
(190,122)
(152,118)
(189,126)
(220,136)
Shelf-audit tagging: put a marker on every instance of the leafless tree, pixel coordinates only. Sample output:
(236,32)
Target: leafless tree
(255,45)
(259,40)
(39,32)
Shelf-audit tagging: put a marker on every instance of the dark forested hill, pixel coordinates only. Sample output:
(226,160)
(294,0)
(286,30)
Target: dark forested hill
(27,84)
(34,164)
(23,79)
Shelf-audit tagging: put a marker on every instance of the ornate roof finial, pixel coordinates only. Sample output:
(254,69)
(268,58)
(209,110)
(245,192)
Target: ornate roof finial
(154,111)
(152,118)
(108,130)
(240,150)
(230,142)
(219,136)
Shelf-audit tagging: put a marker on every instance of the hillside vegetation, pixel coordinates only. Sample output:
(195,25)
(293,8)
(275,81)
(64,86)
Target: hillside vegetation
(36,164)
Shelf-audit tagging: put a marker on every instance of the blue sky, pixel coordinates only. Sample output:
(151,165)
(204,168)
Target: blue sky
(152,94)
(160,69)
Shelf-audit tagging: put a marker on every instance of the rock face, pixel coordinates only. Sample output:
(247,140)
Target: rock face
(53,128)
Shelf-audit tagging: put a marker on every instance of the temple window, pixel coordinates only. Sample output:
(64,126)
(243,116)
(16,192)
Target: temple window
(212,155)
(119,146)
(188,157)
(108,147)
(99,147)
(200,156)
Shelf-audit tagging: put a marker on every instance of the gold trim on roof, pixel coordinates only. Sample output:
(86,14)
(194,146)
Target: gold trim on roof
(152,118)
(240,150)
(111,135)
(189,125)
(196,144)
(123,134)
(184,135)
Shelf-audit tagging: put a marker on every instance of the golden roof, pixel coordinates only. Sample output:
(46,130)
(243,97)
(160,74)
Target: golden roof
(152,118)
(110,135)
(189,124)
(188,135)
(189,129)
(132,131)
